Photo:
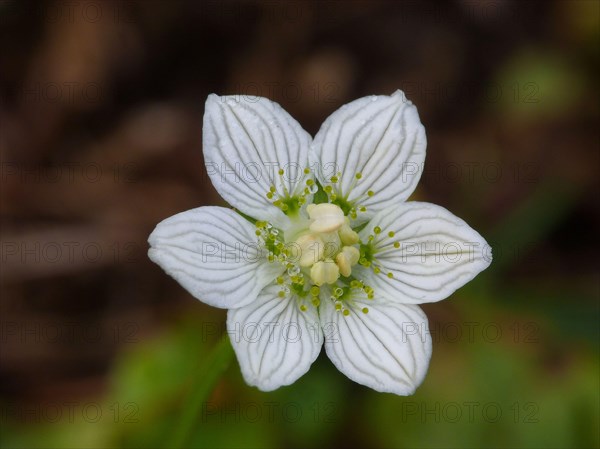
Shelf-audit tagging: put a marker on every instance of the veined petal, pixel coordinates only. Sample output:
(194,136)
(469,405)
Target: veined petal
(214,254)
(275,342)
(438,253)
(380,137)
(246,140)
(387,349)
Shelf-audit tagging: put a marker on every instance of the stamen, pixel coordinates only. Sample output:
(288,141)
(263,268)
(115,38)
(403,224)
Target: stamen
(357,176)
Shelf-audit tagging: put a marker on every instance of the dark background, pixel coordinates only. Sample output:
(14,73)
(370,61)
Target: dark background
(100,139)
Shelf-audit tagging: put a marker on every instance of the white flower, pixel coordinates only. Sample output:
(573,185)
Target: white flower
(347,272)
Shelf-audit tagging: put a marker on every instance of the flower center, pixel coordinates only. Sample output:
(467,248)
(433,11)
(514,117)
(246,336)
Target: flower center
(320,248)
(326,248)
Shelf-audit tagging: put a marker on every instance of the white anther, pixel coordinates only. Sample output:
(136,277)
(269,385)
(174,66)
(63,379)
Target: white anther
(346,259)
(324,272)
(347,235)
(326,217)
(311,249)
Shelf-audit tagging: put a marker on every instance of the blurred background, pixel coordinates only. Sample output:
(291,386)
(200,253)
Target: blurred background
(100,139)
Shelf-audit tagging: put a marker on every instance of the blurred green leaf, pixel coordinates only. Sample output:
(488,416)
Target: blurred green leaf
(212,368)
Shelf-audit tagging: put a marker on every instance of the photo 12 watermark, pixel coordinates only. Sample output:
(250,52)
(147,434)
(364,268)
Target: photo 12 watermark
(524,412)
(67,331)
(70,412)
(464,332)
(63,92)
(516,92)
(27,252)
(68,173)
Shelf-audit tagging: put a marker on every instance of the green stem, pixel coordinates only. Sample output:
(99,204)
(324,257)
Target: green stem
(216,364)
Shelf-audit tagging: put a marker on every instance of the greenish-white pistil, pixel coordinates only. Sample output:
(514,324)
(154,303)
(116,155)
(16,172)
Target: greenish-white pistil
(320,248)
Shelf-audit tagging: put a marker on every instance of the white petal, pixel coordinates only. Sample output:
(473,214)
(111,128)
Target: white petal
(213,253)
(380,137)
(387,349)
(438,253)
(246,140)
(275,342)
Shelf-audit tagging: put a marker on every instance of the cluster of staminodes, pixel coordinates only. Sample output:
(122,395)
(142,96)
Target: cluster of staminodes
(320,254)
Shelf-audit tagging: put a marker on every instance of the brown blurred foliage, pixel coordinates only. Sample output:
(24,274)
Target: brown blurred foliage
(100,139)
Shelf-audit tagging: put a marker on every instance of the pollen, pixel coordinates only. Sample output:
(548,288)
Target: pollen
(356,284)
